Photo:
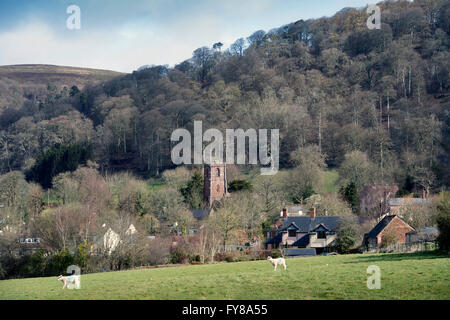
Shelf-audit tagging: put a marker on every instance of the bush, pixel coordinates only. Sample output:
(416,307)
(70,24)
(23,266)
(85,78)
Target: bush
(159,251)
(2,272)
(239,185)
(38,264)
(82,255)
(443,221)
(276,253)
(345,239)
(236,256)
(59,262)
(388,240)
(179,256)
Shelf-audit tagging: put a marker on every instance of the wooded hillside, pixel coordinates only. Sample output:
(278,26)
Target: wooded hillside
(376,98)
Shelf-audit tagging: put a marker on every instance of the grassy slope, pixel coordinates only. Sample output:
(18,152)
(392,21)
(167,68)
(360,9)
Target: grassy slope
(403,276)
(328,182)
(60,75)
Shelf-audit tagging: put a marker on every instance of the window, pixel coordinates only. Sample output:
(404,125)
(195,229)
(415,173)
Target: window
(218,172)
(292,233)
(321,235)
(218,188)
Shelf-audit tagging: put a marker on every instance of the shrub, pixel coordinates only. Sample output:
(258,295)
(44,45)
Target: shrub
(82,255)
(345,239)
(38,264)
(159,251)
(239,185)
(2,272)
(388,239)
(179,255)
(59,262)
(276,253)
(443,221)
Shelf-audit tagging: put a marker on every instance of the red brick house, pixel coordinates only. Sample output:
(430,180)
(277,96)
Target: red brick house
(390,224)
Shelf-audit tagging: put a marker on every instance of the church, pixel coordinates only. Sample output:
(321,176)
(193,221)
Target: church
(215,183)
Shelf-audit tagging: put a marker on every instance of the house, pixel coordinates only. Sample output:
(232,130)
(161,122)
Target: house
(199,216)
(396,205)
(292,211)
(314,232)
(427,234)
(389,224)
(110,240)
(295,252)
(375,198)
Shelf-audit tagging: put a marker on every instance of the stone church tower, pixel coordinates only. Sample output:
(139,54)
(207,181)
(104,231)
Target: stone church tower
(215,183)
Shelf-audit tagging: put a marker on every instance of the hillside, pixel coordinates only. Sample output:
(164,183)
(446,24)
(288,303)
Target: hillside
(377,97)
(58,75)
(403,276)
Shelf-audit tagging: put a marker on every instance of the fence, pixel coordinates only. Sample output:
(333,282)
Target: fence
(406,247)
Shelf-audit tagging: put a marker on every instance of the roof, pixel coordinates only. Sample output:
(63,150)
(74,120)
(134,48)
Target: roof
(380,226)
(201,214)
(306,224)
(407,201)
(295,209)
(276,239)
(425,230)
(302,242)
(299,252)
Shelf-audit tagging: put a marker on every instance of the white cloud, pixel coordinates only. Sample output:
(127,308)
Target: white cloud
(156,32)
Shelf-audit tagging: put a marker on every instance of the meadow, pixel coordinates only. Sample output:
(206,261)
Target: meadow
(403,276)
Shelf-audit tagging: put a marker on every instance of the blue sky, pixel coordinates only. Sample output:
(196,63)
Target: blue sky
(124,35)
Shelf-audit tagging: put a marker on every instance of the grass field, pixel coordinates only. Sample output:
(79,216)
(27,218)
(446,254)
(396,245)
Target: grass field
(403,276)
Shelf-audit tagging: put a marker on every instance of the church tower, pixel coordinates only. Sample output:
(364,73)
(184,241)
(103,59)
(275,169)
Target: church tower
(215,183)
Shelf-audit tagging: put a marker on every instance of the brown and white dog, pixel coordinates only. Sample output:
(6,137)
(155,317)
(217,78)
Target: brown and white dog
(277,262)
(72,281)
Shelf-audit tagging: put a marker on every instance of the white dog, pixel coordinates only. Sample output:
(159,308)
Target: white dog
(71,281)
(276,262)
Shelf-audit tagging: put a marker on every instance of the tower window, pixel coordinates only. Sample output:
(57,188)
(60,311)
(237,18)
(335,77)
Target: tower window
(218,188)
(218,172)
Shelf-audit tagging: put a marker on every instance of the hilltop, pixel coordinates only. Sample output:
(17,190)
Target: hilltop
(58,75)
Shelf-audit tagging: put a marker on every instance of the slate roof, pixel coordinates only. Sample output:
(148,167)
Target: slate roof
(276,239)
(380,226)
(201,214)
(295,209)
(425,230)
(299,252)
(406,201)
(306,224)
(302,242)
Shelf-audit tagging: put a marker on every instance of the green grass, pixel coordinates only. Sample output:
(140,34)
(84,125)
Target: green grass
(328,182)
(403,276)
(155,184)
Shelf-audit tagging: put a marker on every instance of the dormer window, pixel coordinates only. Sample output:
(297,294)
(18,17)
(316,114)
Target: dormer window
(292,233)
(321,235)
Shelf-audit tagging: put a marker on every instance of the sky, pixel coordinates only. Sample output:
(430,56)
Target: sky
(122,35)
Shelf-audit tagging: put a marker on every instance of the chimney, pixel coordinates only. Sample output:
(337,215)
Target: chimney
(285,213)
(312,212)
